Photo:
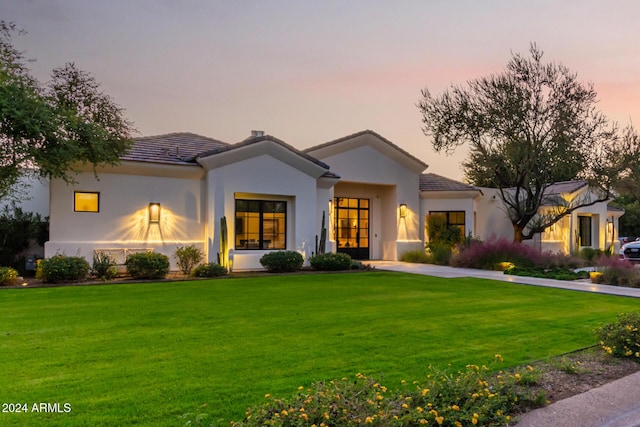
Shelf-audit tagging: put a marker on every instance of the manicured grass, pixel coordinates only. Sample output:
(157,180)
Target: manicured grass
(147,353)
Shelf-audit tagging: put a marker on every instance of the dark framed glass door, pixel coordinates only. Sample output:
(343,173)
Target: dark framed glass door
(351,226)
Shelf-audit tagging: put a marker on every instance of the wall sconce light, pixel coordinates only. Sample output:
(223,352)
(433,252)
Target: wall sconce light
(154,212)
(403,210)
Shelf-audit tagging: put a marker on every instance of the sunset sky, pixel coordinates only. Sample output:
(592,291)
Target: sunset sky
(309,72)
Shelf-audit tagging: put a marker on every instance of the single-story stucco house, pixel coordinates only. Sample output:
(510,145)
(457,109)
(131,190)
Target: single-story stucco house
(172,190)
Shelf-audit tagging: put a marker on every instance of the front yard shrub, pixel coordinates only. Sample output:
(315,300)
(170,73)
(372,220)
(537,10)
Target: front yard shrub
(490,254)
(282,261)
(616,272)
(8,276)
(188,257)
(470,397)
(19,230)
(420,257)
(62,268)
(440,253)
(621,338)
(149,265)
(554,273)
(331,261)
(589,254)
(104,266)
(210,269)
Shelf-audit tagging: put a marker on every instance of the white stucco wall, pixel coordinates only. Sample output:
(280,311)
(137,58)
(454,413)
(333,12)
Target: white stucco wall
(122,222)
(367,173)
(265,178)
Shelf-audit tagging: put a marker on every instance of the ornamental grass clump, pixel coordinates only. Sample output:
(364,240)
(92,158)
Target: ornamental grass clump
(464,398)
(621,338)
(616,272)
(187,257)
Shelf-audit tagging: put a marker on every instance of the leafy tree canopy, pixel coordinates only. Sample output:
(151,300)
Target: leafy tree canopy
(56,127)
(528,127)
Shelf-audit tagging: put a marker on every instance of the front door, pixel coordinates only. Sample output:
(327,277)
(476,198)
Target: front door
(352,226)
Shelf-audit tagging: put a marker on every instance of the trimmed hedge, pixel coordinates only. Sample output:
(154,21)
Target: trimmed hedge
(282,261)
(62,268)
(331,262)
(148,265)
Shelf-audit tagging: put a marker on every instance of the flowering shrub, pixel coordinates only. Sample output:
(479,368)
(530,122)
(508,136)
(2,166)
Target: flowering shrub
(621,338)
(62,268)
(331,262)
(493,254)
(465,398)
(210,269)
(282,261)
(487,255)
(147,265)
(8,276)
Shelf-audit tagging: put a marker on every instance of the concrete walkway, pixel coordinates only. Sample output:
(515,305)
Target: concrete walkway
(451,272)
(616,404)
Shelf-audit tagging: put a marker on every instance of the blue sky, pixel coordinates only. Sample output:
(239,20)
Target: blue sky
(309,72)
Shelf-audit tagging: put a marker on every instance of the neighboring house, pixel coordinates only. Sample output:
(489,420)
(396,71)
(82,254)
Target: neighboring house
(172,190)
(594,226)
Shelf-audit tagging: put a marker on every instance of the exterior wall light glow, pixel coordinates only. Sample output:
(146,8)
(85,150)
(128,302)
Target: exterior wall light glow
(403,210)
(154,212)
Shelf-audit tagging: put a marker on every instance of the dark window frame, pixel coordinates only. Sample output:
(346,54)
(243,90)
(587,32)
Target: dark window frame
(448,217)
(585,230)
(75,208)
(261,243)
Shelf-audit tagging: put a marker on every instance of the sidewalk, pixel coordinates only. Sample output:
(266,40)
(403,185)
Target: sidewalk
(616,404)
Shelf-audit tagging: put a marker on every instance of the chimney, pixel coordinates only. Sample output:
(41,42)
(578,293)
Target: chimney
(257,133)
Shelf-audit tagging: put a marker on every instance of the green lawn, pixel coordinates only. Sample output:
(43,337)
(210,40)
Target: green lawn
(147,353)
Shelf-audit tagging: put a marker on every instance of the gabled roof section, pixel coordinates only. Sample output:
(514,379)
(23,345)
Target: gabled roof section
(171,148)
(379,142)
(264,145)
(434,182)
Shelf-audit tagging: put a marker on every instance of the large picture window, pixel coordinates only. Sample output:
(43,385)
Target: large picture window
(453,218)
(85,201)
(261,224)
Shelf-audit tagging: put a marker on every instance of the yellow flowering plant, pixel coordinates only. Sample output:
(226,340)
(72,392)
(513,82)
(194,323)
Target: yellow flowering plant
(475,396)
(622,337)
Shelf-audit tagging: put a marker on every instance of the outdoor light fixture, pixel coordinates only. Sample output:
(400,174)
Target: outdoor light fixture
(154,212)
(403,210)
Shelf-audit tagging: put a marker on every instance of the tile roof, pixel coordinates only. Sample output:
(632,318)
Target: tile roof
(434,182)
(564,187)
(175,148)
(256,139)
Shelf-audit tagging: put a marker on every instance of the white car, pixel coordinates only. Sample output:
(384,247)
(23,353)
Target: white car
(631,251)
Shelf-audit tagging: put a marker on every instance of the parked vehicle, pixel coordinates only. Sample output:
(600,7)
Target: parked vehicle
(631,250)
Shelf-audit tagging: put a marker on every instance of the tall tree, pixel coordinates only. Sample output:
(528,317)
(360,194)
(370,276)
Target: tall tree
(527,128)
(52,129)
